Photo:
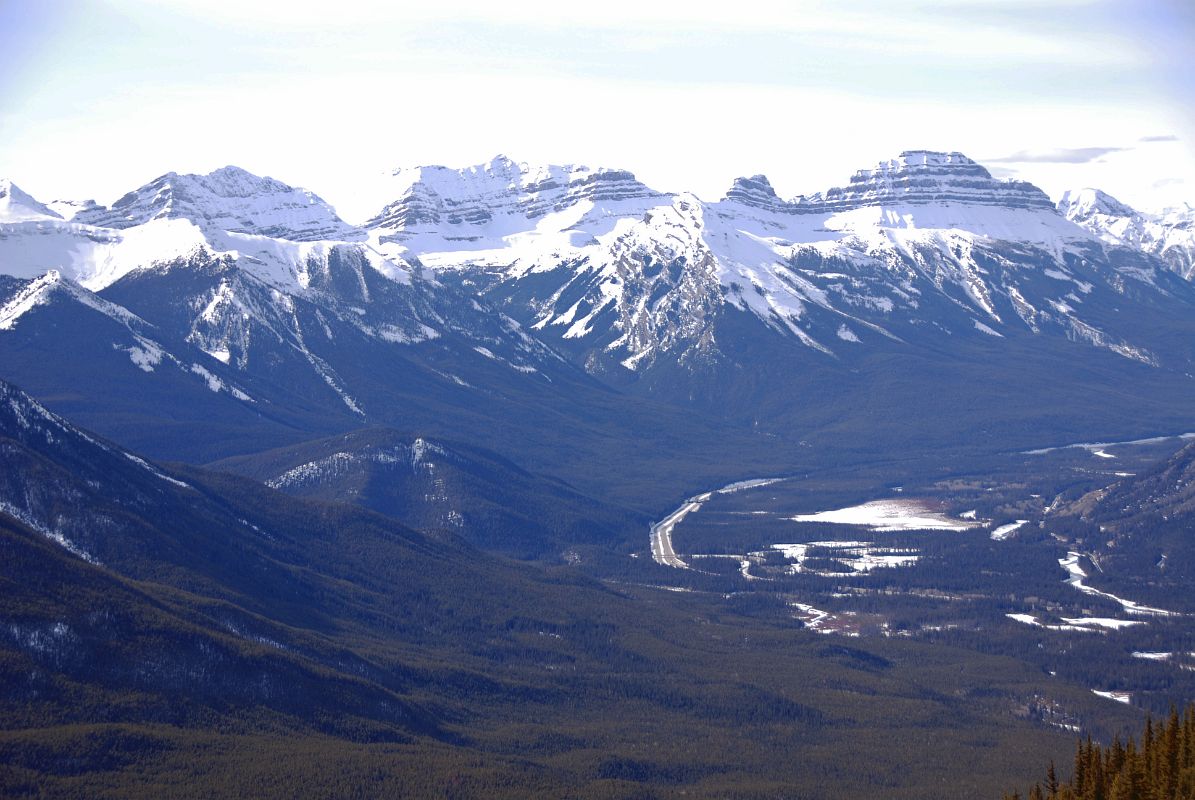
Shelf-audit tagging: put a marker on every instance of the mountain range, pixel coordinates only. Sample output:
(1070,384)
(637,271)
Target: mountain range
(373,501)
(564,316)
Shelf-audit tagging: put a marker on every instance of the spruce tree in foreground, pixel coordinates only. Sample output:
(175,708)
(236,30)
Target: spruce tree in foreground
(1161,768)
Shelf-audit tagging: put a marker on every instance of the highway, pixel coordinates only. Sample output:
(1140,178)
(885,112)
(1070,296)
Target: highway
(661,532)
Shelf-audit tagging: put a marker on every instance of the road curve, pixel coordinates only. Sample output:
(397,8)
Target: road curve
(661,532)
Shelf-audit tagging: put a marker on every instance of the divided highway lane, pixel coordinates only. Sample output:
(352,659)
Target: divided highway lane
(661,532)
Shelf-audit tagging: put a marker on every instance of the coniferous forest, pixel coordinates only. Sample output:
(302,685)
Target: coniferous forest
(1159,767)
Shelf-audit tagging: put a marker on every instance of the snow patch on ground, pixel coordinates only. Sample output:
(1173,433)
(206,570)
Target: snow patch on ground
(1029,619)
(1085,624)
(216,385)
(149,468)
(1093,446)
(147,356)
(213,383)
(857,557)
(414,456)
(30,297)
(393,333)
(889,515)
(51,534)
(1004,531)
(1103,622)
(814,618)
(1120,697)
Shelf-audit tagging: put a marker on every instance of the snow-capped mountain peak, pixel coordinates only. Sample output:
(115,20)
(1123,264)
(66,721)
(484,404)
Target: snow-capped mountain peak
(68,209)
(614,268)
(757,192)
(614,273)
(18,206)
(1170,235)
(1078,204)
(280,234)
(914,178)
(495,197)
(230,200)
(924,176)
(1179,216)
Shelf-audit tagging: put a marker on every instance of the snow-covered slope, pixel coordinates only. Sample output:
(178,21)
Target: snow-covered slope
(68,208)
(276,232)
(1169,235)
(43,290)
(231,265)
(476,202)
(35,239)
(473,304)
(229,200)
(632,275)
(17,206)
(924,176)
(264,234)
(442,484)
(54,311)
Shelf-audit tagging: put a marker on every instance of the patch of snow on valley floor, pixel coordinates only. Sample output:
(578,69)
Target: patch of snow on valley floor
(1004,531)
(858,557)
(889,515)
(1120,697)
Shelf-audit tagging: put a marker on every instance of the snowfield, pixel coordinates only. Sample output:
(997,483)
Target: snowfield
(858,557)
(1004,531)
(889,515)
(1120,697)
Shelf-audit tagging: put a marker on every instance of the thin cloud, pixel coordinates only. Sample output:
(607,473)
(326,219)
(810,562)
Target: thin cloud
(1061,155)
(1170,137)
(1004,172)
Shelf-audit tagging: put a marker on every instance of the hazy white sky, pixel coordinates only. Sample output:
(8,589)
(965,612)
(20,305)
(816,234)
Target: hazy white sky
(99,97)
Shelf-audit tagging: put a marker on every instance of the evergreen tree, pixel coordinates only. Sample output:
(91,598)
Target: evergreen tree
(1161,768)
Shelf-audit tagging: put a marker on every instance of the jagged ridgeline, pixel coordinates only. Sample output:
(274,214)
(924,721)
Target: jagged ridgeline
(1161,766)
(891,312)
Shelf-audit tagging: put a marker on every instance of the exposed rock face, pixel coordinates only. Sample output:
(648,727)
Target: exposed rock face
(621,277)
(922,176)
(213,282)
(619,274)
(228,200)
(457,200)
(915,177)
(757,192)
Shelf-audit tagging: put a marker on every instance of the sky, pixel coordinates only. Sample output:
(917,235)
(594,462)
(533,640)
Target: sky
(100,96)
